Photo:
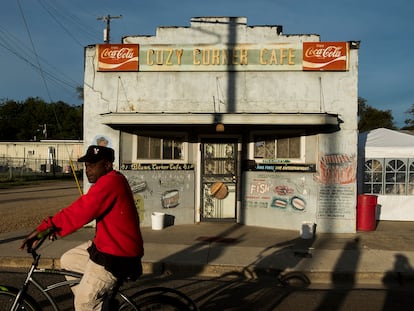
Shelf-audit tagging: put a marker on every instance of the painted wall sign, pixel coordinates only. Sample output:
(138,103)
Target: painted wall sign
(337,176)
(337,169)
(285,167)
(236,57)
(277,193)
(336,201)
(157,167)
(318,56)
(118,57)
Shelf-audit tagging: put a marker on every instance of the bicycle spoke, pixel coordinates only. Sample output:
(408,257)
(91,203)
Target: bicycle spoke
(7,298)
(160,298)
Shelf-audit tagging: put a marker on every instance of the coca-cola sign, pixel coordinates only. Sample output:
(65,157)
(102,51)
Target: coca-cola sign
(325,56)
(118,57)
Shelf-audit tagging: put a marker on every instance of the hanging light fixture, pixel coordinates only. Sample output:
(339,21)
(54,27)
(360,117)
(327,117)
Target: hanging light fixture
(219,127)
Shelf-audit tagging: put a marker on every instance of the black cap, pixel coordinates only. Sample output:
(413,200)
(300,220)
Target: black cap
(97,153)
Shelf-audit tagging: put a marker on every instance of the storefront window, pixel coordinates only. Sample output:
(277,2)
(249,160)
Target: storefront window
(153,148)
(410,189)
(373,176)
(389,176)
(282,148)
(395,177)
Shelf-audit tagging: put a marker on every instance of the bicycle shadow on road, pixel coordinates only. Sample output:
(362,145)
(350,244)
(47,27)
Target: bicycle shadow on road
(253,286)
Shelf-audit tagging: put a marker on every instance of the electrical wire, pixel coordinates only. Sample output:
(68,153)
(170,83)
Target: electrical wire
(66,17)
(43,75)
(34,50)
(20,50)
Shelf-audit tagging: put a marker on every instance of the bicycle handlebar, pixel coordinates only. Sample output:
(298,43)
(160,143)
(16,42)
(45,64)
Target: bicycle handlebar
(41,237)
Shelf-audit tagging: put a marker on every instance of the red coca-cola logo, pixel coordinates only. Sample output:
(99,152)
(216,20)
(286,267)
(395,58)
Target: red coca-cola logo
(325,56)
(123,53)
(118,57)
(326,52)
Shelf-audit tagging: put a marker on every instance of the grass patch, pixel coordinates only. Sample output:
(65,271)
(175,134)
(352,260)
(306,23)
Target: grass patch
(6,182)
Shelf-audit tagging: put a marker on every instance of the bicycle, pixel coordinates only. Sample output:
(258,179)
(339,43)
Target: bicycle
(152,298)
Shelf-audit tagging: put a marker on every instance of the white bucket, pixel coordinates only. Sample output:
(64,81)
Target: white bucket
(157,220)
(307,230)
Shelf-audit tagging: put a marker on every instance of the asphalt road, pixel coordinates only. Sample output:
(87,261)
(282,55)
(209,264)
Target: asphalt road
(24,207)
(237,294)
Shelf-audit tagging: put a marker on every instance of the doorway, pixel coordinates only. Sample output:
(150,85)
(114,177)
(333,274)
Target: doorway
(219,176)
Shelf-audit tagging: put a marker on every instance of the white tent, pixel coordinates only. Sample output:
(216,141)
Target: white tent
(387,144)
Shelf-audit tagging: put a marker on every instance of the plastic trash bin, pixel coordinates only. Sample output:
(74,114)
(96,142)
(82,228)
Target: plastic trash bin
(366,212)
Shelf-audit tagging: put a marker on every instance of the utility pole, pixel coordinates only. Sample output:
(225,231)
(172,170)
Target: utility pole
(108,25)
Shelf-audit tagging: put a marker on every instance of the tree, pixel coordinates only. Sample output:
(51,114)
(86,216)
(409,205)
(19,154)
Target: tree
(409,123)
(35,119)
(79,91)
(371,118)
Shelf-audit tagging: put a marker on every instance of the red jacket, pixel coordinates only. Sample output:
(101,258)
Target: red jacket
(111,203)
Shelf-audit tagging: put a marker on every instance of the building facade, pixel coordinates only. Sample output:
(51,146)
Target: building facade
(41,156)
(221,121)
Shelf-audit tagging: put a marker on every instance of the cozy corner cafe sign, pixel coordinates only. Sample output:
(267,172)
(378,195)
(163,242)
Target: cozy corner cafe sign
(308,56)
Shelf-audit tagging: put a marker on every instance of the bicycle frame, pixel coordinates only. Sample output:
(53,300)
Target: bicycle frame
(45,290)
(169,296)
(30,279)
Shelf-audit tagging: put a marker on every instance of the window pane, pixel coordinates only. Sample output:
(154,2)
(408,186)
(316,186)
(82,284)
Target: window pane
(377,189)
(160,148)
(373,177)
(143,147)
(264,149)
(178,150)
(294,147)
(272,148)
(288,148)
(167,146)
(395,177)
(377,177)
(283,148)
(155,148)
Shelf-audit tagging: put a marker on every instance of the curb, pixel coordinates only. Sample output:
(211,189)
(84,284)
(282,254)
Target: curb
(25,262)
(330,278)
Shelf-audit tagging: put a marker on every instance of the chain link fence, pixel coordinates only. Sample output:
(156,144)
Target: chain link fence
(21,168)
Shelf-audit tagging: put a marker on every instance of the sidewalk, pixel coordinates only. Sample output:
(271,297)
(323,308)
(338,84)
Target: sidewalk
(214,249)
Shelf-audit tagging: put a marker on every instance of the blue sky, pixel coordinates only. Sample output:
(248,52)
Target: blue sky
(58,30)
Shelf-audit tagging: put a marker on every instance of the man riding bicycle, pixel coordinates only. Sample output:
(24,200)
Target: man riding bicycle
(117,247)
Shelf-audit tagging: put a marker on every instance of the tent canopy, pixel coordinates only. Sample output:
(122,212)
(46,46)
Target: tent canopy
(385,143)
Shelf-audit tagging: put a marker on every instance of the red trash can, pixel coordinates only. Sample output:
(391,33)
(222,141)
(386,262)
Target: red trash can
(366,212)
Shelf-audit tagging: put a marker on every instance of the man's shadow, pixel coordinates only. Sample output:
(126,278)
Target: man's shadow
(343,277)
(397,282)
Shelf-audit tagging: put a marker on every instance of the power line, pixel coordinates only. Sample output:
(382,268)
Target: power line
(34,50)
(69,22)
(59,23)
(20,50)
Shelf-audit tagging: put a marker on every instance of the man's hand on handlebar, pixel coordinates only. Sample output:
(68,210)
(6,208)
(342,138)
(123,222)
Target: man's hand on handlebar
(33,239)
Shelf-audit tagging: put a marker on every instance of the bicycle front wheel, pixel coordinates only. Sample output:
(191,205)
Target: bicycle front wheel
(8,296)
(161,299)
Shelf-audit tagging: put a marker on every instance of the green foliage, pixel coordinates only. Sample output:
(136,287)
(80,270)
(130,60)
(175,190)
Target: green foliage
(34,119)
(371,118)
(409,123)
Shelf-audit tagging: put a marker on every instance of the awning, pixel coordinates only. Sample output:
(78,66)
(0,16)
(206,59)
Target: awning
(255,119)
